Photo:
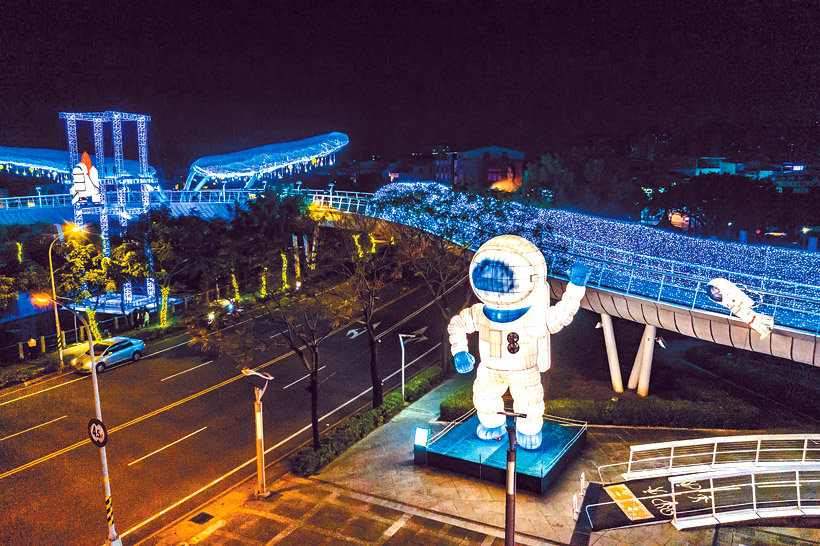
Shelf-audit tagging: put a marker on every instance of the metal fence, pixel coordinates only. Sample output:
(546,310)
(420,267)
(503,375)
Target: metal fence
(670,281)
(710,454)
(713,498)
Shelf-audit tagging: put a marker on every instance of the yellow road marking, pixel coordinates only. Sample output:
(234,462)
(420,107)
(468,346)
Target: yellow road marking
(628,502)
(163,409)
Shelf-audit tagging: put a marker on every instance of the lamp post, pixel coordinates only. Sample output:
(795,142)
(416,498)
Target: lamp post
(261,489)
(113,538)
(57,237)
(509,527)
(401,342)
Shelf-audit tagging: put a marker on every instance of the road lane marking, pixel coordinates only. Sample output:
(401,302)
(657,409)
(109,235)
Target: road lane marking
(24,387)
(301,379)
(186,371)
(240,467)
(42,391)
(32,428)
(166,447)
(59,452)
(187,399)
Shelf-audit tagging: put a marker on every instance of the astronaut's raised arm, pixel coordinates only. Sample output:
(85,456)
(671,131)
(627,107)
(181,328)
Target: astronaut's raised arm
(460,325)
(561,314)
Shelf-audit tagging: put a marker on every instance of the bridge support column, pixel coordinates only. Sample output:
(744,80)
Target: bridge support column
(642,367)
(612,353)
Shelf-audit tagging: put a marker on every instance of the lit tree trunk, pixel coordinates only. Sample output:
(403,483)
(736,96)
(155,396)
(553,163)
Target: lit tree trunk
(163,312)
(235,285)
(92,323)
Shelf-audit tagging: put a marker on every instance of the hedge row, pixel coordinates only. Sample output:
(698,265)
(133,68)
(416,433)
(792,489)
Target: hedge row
(763,375)
(709,408)
(307,461)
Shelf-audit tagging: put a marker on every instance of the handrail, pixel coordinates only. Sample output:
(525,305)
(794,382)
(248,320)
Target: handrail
(713,457)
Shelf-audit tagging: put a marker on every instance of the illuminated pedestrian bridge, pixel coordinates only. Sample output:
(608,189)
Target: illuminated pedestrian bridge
(641,274)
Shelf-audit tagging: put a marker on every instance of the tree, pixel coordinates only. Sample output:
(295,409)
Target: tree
(180,247)
(86,278)
(368,263)
(262,230)
(716,201)
(305,318)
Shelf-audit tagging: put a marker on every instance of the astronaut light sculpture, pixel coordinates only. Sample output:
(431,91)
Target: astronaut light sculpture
(514,321)
(732,297)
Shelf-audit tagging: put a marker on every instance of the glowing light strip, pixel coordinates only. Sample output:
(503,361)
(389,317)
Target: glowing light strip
(273,157)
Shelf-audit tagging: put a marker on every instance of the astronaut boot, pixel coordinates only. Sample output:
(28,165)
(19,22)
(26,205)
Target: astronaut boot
(489,433)
(528,441)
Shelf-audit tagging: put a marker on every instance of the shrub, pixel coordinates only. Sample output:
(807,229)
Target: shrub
(760,374)
(457,403)
(306,460)
(710,407)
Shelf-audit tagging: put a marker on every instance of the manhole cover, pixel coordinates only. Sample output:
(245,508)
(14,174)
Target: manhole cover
(201,518)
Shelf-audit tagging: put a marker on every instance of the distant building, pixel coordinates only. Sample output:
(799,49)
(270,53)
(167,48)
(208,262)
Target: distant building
(415,169)
(482,168)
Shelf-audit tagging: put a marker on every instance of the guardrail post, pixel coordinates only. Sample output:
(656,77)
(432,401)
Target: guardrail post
(43,344)
(695,296)
(20,351)
(797,487)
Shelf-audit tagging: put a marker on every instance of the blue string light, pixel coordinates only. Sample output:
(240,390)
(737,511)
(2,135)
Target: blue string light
(625,257)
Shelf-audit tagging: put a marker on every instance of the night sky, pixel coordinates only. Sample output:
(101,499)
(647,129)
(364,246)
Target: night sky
(397,75)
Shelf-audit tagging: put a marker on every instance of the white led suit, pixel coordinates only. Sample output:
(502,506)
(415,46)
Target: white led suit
(514,321)
(86,181)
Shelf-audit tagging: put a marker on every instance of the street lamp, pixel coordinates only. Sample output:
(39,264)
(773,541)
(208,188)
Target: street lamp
(74,229)
(509,527)
(113,538)
(402,337)
(261,489)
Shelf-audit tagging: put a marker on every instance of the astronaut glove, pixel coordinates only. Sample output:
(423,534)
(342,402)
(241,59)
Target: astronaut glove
(579,274)
(464,362)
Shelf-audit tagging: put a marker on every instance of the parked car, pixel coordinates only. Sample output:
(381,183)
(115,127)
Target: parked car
(110,352)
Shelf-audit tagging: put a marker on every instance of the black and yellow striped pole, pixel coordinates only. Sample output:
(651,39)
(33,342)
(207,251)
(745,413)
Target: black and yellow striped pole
(109,511)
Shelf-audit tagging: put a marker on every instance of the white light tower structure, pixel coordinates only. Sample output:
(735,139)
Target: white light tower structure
(125,185)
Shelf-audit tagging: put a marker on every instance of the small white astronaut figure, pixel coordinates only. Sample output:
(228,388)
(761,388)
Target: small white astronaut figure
(729,295)
(514,321)
(86,182)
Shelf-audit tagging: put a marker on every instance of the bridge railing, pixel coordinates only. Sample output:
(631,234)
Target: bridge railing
(39,201)
(710,454)
(713,498)
(670,281)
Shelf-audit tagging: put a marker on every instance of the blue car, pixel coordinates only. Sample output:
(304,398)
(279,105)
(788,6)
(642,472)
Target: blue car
(110,352)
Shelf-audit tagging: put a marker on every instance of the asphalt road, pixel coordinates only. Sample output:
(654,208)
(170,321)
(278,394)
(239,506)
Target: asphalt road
(181,429)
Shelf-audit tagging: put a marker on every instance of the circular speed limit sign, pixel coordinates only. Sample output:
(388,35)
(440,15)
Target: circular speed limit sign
(97,432)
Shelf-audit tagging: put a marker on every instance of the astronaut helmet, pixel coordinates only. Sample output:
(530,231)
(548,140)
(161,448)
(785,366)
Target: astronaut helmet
(506,271)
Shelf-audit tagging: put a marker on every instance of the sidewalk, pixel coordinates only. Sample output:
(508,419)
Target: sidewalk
(374,494)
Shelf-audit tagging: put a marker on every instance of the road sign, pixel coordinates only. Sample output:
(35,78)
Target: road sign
(97,432)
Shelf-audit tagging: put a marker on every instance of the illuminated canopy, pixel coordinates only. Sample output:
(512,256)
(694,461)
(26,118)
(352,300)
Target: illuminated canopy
(262,160)
(49,163)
